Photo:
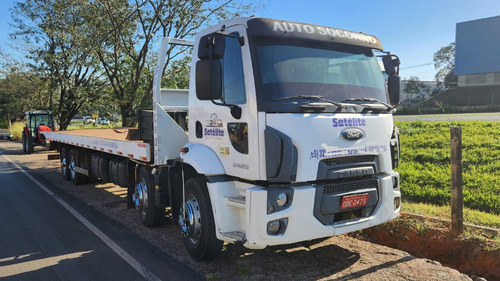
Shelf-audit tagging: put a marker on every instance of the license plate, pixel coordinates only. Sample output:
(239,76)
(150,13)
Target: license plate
(353,201)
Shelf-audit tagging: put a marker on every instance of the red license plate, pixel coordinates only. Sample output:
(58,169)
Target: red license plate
(353,201)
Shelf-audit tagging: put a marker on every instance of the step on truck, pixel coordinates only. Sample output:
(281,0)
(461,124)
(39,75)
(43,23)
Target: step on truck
(286,134)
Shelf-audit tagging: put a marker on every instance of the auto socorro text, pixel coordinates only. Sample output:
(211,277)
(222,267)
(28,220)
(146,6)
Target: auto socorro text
(321,30)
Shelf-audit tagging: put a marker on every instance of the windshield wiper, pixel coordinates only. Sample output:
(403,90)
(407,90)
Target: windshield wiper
(371,100)
(320,98)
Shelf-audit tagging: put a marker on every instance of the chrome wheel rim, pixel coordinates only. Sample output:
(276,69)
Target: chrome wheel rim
(72,167)
(140,196)
(64,166)
(190,220)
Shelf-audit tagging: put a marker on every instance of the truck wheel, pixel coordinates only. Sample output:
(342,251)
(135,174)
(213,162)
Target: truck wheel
(144,199)
(197,222)
(64,163)
(77,178)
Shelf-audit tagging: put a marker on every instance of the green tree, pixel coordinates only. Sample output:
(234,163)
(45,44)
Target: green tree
(127,30)
(53,31)
(177,75)
(21,91)
(416,90)
(444,62)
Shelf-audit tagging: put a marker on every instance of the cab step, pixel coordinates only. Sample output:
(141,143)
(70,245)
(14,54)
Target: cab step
(237,201)
(235,236)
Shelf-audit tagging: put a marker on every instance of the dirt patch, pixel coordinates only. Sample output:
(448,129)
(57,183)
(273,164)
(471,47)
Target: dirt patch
(468,254)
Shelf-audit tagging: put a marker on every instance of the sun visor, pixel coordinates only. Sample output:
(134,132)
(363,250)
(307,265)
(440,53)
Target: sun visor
(263,27)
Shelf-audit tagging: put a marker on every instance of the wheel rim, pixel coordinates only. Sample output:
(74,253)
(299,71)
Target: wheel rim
(140,197)
(72,166)
(190,220)
(64,166)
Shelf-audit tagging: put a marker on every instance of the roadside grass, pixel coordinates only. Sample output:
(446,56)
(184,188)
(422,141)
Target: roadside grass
(425,163)
(17,130)
(81,126)
(78,125)
(444,212)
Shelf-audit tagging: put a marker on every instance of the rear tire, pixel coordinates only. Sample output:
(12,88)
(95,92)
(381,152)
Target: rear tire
(77,178)
(30,146)
(144,199)
(23,140)
(198,226)
(65,164)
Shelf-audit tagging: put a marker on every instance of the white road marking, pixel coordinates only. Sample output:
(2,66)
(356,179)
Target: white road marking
(117,249)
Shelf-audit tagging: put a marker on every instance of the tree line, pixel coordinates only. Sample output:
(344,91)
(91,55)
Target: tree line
(89,55)
(444,62)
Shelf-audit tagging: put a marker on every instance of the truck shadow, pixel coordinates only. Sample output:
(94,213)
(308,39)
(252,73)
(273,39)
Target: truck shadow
(311,260)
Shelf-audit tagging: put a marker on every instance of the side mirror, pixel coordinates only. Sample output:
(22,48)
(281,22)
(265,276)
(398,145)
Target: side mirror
(394,88)
(209,79)
(212,46)
(391,64)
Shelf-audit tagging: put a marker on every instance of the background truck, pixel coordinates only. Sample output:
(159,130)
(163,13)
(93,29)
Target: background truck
(290,137)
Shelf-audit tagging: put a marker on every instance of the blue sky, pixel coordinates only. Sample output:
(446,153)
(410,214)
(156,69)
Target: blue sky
(412,29)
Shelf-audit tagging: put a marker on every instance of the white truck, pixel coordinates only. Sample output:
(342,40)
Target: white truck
(286,134)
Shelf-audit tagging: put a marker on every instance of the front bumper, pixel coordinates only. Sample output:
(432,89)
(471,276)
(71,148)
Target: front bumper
(305,217)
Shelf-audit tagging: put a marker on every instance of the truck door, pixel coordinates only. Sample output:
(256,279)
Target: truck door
(232,137)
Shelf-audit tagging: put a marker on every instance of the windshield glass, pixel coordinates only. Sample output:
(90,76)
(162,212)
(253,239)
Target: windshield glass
(41,119)
(335,72)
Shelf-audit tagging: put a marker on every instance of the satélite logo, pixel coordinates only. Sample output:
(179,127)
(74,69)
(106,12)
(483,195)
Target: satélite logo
(214,126)
(348,122)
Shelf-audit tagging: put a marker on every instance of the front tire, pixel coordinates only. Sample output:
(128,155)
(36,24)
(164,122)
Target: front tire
(144,199)
(197,222)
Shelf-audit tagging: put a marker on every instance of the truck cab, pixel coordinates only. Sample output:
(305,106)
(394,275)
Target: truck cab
(290,135)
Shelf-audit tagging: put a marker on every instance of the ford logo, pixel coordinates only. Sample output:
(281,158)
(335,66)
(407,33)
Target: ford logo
(352,134)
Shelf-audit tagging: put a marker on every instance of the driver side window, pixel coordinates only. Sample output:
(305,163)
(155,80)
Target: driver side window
(233,78)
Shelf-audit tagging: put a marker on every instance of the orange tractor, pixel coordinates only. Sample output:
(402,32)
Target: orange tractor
(37,122)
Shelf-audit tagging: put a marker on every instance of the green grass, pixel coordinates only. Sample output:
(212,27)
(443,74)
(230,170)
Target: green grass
(444,212)
(425,163)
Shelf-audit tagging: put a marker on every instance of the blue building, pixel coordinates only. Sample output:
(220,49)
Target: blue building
(477,53)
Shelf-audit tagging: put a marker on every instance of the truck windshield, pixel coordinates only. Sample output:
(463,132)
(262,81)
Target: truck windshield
(333,71)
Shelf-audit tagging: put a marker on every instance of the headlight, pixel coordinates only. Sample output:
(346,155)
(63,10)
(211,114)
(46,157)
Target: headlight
(273,227)
(277,227)
(282,199)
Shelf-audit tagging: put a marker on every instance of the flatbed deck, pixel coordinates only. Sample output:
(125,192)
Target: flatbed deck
(113,134)
(112,141)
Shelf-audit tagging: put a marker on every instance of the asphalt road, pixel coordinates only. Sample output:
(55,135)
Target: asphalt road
(47,235)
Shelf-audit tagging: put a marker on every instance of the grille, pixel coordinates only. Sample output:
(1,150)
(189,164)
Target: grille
(350,186)
(350,160)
